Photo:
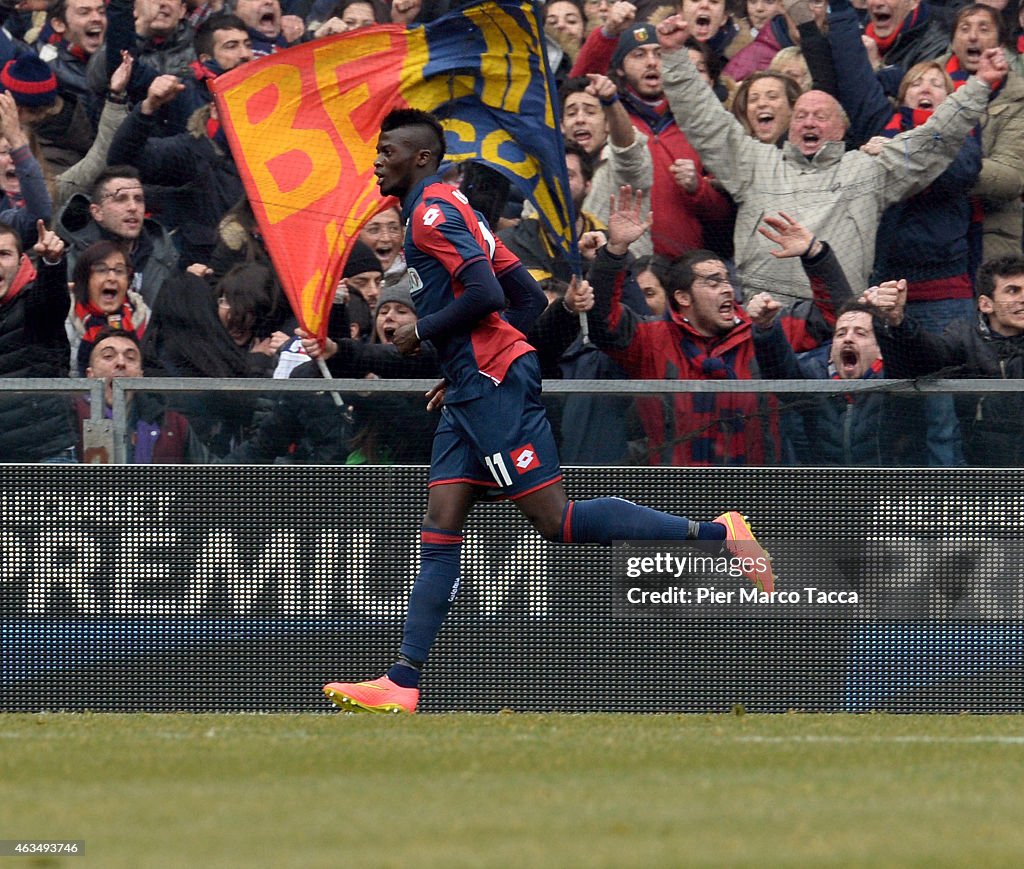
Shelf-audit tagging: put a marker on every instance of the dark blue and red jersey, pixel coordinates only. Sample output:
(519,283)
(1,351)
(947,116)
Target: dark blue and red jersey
(446,244)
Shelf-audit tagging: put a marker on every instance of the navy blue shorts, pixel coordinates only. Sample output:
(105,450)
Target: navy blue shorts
(502,440)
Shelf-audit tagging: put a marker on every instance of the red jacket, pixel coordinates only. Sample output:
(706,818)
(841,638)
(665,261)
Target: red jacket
(682,221)
(596,54)
(706,428)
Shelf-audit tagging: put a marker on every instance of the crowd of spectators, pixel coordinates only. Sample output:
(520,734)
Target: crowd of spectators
(781,189)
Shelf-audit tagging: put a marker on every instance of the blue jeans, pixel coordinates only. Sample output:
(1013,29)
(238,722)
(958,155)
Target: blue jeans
(935,414)
(64,457)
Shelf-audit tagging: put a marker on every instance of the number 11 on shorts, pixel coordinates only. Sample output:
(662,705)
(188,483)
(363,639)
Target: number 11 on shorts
(496,465)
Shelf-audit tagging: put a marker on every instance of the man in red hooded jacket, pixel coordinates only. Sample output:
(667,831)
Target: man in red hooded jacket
(690,211)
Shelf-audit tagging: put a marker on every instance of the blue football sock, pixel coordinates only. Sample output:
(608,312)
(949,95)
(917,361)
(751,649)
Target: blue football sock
(404,675)
(710,531)
(432,593)
(603,520)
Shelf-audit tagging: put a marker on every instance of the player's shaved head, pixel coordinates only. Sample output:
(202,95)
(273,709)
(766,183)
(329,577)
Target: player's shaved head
(421,130)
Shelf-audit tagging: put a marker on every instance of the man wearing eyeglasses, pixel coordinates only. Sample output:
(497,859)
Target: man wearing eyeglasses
(704,335)
(116,211)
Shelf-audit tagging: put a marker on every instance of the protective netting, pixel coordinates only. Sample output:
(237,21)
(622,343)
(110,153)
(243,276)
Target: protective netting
(811,423)
(246,589)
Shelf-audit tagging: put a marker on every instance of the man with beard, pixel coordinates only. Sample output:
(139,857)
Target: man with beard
(222,43)
(705,335)
(710,23)
(988,345)
(690,212)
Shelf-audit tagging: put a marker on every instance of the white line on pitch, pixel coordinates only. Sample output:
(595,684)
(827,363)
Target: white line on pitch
(1007,740)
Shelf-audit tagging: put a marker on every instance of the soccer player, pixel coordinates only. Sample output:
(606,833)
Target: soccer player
(474,301)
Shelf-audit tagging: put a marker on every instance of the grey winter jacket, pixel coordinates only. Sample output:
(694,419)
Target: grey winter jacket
(839,195)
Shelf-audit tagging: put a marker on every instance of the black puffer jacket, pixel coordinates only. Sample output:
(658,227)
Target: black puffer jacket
(200,173)
(33,343)
(990,422)
(838,430)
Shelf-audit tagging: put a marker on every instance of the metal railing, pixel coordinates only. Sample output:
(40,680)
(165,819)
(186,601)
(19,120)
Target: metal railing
(116,426)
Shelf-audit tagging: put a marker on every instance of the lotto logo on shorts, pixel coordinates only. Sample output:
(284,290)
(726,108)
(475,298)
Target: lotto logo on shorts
(525,459)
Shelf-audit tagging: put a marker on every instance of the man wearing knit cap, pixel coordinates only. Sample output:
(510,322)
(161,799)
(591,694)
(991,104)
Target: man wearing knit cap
(363,273)
(32,84)
(360,287)
(690,213)
(711,23)
(641,34)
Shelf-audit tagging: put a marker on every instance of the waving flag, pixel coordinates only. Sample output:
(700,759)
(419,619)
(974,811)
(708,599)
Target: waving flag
(303,126)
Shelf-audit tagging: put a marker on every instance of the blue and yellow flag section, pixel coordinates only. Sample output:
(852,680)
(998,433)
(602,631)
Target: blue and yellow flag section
(303,127)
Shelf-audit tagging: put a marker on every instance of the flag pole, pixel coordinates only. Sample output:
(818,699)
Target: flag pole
(326,372)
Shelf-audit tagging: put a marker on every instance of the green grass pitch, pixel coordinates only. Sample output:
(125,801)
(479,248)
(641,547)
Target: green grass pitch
(515,790)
